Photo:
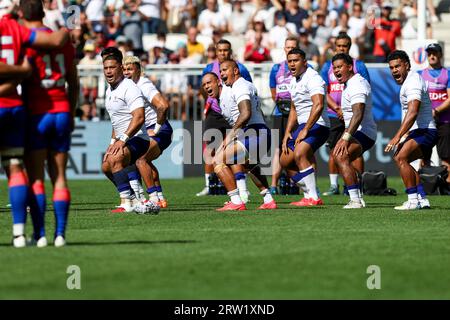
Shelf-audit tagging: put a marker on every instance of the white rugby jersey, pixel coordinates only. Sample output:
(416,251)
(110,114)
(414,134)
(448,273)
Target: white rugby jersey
(357,90)
(120,102)
(309,84)
(230,98)
(415,88)
(149,91)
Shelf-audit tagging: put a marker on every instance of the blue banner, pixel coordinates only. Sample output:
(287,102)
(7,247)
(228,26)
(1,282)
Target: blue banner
(385,95)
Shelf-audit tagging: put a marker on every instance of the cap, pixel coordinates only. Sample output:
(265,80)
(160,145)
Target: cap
(434,47)
(121,39)
(98,28)
(303,31)
(180,45)
(89,46)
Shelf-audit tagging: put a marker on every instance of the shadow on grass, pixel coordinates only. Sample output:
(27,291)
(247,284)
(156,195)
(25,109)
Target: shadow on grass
(124,242)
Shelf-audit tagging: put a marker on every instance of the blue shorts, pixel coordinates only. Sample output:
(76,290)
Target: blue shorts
(425,138)
(256,139)
(365,142)
(12,129)
(49,131)
(317,136)
(138,147)
(164,136)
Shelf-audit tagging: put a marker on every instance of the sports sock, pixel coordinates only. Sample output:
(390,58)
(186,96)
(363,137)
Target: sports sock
(334,179)
(61,204)
(18,195)
(134,179)
(234,196)
(241,182)
(266,195)
(123,185)
(153,194)
(207,175)
(412,194)
(309,178)
(421,191)
(353,191)
(160,192)
(37,203)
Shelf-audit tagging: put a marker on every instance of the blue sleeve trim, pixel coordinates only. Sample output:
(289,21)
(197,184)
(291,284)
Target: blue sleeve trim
(32,37)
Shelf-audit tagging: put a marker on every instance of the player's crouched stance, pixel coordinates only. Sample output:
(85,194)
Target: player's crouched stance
(417,134)
(247,141)
(360,128)
(125,105)
(307,91)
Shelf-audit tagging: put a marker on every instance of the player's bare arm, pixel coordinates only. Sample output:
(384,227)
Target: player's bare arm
(358,114)
(410,118)
(17,71)
(45,40)
(8,87)
(136,123)
(443,107)
(161,106)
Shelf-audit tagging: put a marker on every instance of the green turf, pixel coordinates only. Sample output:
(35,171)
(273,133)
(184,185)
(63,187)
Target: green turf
(189,251)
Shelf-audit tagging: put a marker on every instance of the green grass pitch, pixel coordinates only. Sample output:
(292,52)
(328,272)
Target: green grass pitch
(189,251)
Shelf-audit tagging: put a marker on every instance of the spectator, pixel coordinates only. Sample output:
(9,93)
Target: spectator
(193,46)
(386,32)
(94,12)
(131,21)
(281,31)
(211,20)
(295,14)
(239,20)
(211,54)
(89,84)
(265,12)
(53,17)
(356,23)
(258,25)
(321,33)
(174,86)
(225,9)
(256,52)
(150,12)
(180,14)
(310,49)
(343,25)
(112,27)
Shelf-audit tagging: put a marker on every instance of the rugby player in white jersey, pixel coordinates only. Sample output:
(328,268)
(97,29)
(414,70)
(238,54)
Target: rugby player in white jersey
(307,90)
(129,140)
(158,128)
(417,134)
(249,138)
(360,129)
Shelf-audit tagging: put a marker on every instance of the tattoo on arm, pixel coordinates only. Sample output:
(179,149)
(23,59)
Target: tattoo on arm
(358,114)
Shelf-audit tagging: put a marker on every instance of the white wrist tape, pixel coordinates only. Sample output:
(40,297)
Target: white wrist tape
(346,136)
(112,141)
(124,137)
(157,128)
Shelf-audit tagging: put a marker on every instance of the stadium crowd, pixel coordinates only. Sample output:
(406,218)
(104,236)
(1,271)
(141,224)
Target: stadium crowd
(260,27)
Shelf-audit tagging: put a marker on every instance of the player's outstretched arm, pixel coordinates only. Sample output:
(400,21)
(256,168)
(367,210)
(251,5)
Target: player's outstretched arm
(45,40)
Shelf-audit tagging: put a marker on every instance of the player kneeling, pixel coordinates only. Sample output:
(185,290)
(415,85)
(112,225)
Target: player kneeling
(248,139)
(360,128)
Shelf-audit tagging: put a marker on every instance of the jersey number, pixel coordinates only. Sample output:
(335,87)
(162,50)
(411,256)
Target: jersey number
(47,82)
(7,54)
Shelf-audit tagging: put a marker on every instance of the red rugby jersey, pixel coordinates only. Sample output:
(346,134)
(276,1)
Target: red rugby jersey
(12,41)
(45,90)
